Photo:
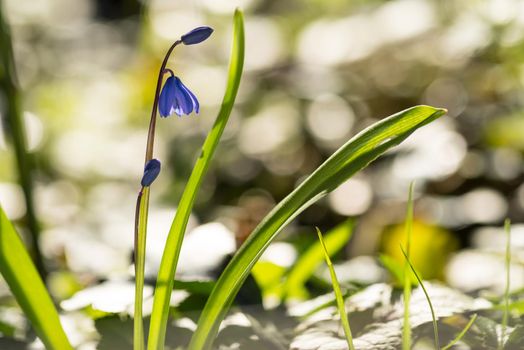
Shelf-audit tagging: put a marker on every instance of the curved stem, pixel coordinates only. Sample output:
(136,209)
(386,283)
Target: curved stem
(152,123)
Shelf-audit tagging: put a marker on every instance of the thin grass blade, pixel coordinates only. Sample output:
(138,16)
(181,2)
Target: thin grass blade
(338,294)
(505,315)
(406,325)
(166,273)
(433,318)
(308,262)
(356,154)
(462,333)
(27,287)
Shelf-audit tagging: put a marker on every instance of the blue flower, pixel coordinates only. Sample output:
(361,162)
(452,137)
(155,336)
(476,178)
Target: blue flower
(197,35)
(151,171)
(176,98)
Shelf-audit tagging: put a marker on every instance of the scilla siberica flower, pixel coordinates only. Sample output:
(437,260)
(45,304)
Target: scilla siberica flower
(176,98)
(151,171)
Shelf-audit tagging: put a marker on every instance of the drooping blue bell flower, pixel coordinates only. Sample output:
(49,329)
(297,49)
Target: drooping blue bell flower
(197,35)
(151,171)
(176,98)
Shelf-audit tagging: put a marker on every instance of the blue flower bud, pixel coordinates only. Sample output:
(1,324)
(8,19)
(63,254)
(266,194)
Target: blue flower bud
(197,35)
(151,171)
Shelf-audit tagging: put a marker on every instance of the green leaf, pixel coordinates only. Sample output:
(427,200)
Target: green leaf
(341,306)
(142,206)
(27,287)
(166,273)
(356,154)
(309,261)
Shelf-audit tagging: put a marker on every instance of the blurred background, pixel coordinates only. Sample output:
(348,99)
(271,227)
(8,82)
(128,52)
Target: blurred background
(316,73)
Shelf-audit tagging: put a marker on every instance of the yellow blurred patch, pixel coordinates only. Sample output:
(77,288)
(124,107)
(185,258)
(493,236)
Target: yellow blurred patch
(431,246)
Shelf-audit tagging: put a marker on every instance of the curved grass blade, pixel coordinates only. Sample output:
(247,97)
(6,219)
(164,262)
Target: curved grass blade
(406,325)
(433,318)
(462,333)
(338,294)
(356,154)
(308,262)
(28,289)
(166,273)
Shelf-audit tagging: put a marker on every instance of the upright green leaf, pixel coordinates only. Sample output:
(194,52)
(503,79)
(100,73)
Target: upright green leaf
(140,261)
(346,161)
(341,306)
(166,273)
(27,287)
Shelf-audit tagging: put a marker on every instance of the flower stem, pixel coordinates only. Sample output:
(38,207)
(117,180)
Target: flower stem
(142,208)
(140,252)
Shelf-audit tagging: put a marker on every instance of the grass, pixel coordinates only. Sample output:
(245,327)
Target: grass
(505,315)
(308,261)
(406,328)
(338,294)
(406,325)
(433,318)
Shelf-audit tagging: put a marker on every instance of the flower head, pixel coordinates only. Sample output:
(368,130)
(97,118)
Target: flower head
(197,35)
(176,98)
(151,171)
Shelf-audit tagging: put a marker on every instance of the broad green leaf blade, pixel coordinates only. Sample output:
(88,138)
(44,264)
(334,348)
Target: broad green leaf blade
(308,262)
(166,273)
(341,306)
(27,287)
(346,161)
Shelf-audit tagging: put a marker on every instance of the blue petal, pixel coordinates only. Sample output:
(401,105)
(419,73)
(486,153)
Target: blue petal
(183,101)
(167,97)
(194,100)
(197,35)
(151,171)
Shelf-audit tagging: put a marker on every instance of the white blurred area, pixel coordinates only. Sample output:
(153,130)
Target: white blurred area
(483,268)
